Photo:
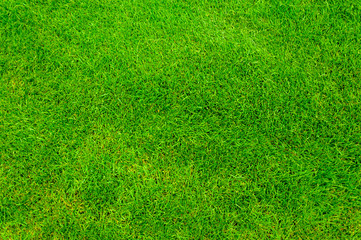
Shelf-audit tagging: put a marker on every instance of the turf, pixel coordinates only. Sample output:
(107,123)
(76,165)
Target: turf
(180,119)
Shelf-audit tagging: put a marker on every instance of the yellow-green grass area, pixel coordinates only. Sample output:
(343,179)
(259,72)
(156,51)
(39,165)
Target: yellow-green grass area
(180,119)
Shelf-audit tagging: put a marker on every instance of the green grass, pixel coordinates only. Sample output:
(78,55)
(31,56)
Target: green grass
(180,119)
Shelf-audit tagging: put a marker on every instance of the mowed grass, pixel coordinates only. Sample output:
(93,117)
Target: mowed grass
(180,119)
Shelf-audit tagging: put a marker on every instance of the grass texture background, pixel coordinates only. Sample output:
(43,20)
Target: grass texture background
(180,119)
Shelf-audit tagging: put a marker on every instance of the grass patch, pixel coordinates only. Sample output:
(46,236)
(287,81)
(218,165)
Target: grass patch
(180,119)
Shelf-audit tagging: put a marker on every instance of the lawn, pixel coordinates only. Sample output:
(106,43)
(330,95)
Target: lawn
(180,119)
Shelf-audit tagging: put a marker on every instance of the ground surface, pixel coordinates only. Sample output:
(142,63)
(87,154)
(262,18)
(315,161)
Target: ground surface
(178,119)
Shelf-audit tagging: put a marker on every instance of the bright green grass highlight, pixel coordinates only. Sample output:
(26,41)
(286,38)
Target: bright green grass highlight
(179,119)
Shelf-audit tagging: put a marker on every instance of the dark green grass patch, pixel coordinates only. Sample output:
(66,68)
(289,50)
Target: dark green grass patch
(180,119)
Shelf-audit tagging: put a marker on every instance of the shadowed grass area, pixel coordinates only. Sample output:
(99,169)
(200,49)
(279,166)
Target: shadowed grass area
(178,119)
